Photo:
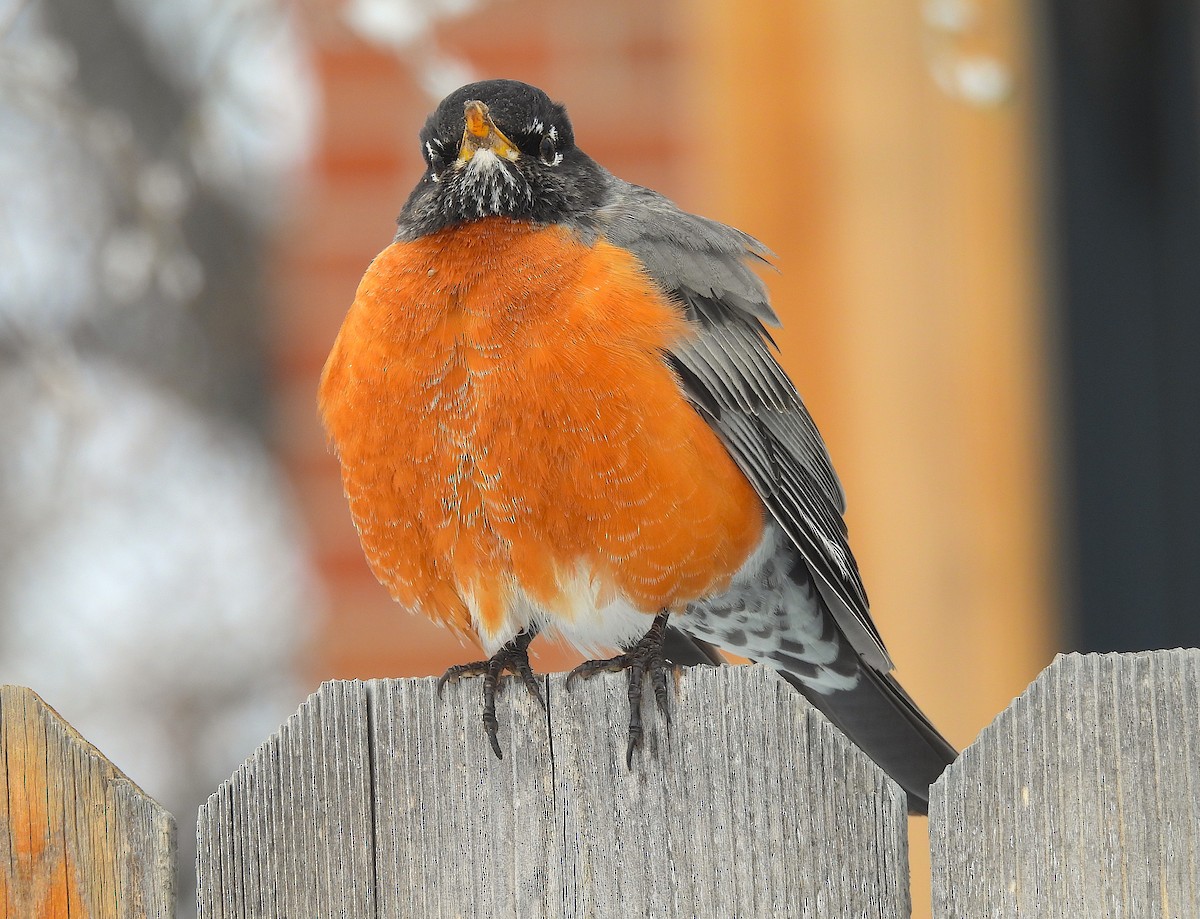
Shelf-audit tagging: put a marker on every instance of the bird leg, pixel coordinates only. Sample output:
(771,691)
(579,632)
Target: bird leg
(643,659)
(513,657)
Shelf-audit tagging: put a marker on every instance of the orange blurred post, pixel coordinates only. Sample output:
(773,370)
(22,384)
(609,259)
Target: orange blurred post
(907,233)
(905,227)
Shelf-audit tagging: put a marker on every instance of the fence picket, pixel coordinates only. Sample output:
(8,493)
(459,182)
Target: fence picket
(1082,799)
(77,838)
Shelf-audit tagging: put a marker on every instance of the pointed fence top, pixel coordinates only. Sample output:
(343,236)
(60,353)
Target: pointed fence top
(77,838)
(1081,799)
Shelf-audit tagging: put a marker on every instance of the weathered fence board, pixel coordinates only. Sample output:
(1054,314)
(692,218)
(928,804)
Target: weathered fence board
(459,832)
(382,797)
(77,838)
(751,805)
(1081,800)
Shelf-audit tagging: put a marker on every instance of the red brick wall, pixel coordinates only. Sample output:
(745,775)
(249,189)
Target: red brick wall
(615,64)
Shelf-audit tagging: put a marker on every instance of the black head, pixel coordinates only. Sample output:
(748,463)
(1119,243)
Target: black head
(501,149)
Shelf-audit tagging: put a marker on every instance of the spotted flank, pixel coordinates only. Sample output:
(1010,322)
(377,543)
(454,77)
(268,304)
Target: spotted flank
(773,613)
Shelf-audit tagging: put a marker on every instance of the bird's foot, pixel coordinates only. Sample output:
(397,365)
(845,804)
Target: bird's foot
(514,658)
(642,660)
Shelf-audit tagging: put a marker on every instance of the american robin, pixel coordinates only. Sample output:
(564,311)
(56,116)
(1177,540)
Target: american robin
(557,409)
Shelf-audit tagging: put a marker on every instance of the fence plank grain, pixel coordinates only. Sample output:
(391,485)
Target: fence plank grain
(77,838)
(751,805)
(1082,799)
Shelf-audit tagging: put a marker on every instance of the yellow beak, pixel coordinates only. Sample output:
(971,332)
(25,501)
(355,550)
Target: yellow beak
(482,134)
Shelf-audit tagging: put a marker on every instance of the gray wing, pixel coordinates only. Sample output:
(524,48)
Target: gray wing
(732,378)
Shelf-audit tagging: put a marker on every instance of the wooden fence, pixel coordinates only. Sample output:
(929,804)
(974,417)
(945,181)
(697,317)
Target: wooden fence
(378,799)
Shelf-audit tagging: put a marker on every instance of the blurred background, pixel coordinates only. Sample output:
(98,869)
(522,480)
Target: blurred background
(987,222)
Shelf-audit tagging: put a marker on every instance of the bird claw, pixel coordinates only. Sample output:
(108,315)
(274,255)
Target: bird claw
(513,658)
(643,659)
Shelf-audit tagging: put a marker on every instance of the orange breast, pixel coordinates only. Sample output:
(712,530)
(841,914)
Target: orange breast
(506,425)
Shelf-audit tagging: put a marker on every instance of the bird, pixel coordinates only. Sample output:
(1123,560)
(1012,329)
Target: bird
(558,409)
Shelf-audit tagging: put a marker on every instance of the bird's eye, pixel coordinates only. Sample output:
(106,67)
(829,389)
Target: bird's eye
(548,151)
(435,159)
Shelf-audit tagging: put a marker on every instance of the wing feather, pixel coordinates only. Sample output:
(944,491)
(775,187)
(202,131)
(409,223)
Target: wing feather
(732,377)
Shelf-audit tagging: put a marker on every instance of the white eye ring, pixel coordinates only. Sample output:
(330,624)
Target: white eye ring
(548,151)
(435,160)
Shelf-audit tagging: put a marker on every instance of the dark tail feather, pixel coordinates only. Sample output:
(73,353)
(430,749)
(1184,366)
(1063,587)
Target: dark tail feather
(879,717)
